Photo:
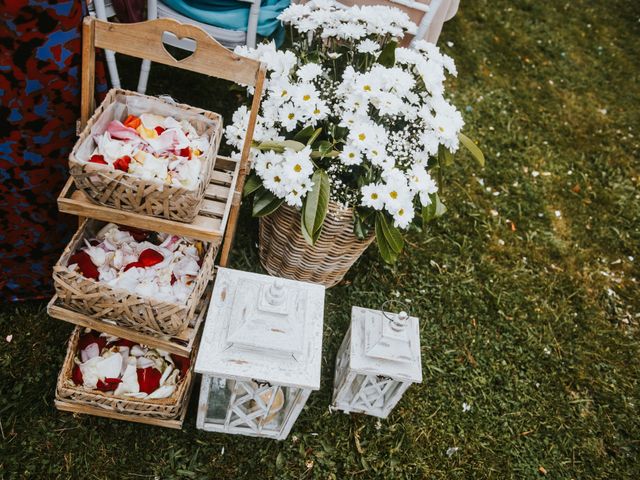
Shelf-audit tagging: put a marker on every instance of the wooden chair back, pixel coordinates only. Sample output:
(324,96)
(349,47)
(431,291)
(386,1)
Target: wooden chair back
(144,40)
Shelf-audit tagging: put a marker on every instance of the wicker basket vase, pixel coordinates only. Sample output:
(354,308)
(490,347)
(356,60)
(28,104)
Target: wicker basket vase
(164,408)
(124,191)
(285,253)
(145,315)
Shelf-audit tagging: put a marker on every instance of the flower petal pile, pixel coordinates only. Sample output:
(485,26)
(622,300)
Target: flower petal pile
(154,148)
(154,265)
(124,368)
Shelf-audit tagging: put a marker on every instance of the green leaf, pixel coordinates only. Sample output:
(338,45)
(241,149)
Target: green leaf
(387,254)
(315,136)
(338,133)
(252,184)
(280,146)
(387,57)
(472,148)
(304,134)
(435,209)
(265,203)
(314,208)
(360,230)
(445,157)
(331,154)
(391,233)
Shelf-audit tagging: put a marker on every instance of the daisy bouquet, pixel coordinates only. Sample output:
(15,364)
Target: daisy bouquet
(152,147)
(120,367)
(153,265)
(350,117)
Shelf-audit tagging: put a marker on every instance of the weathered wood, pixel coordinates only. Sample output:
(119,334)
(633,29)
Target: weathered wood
(144,40)
(245,166)
(261,348)
(98,412)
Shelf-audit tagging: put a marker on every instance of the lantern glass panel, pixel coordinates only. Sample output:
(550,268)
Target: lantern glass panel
(248,404)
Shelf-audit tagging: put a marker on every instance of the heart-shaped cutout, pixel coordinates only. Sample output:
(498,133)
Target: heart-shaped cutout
(180,48)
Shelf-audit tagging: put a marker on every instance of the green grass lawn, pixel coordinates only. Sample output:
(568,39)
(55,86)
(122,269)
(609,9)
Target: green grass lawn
(527,290)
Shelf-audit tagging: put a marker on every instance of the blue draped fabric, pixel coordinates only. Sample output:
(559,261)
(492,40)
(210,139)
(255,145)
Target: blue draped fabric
(233,14)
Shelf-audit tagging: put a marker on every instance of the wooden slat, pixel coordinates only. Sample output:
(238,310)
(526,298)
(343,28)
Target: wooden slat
(213,207)
(144,40)
(223,178)
(216,192)
(100,412)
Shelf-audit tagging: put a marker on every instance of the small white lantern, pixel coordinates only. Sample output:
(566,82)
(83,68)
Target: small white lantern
(260,353)
(378,360)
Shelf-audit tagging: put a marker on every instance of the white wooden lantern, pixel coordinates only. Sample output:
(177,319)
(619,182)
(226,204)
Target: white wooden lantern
(260,353)
(378,360)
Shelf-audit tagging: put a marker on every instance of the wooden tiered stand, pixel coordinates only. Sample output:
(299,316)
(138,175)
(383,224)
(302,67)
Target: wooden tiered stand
(216,221)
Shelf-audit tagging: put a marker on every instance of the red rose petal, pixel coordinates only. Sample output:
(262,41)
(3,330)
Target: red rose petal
(122,163)
(76,375)
(132,265)
(98,159)
(185,152)
(148,379)
(182,363)
(173,279)
(150,257)
(108,385)
(88,338)
(159,130)
(86,266)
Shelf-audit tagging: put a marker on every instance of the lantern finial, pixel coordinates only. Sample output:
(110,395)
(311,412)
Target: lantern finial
(275,295)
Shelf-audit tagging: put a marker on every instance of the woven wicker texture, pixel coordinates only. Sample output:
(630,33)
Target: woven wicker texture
(145,315)
(125,191)
(165,408)
(285,253)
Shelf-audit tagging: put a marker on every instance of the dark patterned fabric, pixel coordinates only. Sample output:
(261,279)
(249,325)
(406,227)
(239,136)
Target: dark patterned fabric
(40,53)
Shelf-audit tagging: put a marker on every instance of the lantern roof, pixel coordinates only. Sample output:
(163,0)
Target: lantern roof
(263,328)
(387,345)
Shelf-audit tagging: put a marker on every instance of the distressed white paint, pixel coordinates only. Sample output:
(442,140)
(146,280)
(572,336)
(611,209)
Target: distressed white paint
(377,361)
(260,353)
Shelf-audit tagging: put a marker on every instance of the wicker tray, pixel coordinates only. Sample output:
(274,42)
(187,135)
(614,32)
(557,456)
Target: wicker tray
(124,191)
(98,300)
(181,344)
(74,398)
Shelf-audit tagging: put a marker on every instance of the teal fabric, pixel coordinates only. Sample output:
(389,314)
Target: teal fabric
(233,15)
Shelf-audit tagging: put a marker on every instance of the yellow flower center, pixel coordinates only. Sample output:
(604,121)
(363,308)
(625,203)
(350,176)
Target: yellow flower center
(352,155)
(367,88)
(362,136)
(291,116)
(374,196)
(277,179)
(284,93)
(441,129)
(393,194)
(306,98)
(297,168)
(316,112)
(401,212)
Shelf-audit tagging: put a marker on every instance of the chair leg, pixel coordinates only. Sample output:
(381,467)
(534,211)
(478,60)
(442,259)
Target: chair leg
(113,68)
(144,76)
